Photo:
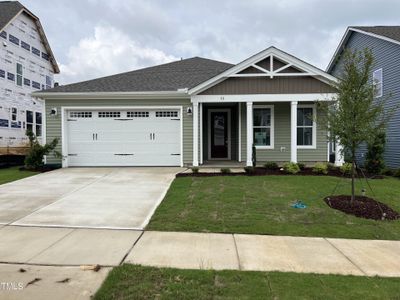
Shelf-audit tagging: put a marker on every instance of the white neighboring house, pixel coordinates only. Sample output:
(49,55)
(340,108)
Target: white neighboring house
(27,64)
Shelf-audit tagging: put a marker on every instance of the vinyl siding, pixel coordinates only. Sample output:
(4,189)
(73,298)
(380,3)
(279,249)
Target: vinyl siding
(387,57)
(266,85)
(53,123)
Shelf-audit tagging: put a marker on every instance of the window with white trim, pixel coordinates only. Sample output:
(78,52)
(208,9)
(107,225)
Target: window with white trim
(263,126)
(38,119)
(377,81)
(109,114)
(137,114)
(305,126)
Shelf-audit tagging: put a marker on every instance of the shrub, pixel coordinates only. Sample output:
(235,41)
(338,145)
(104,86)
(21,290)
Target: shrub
(195,170)
(374,161)
(291,168)
(302,166)
(346,168)
(35,156)
(225,170)
(396,173)
(388,172)
(320,168)
(271,165)
(249,170)
(331,166)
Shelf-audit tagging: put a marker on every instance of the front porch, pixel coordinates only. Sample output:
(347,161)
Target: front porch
(281,131)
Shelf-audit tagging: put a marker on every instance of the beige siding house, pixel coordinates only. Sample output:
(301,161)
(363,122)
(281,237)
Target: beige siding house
(193,112)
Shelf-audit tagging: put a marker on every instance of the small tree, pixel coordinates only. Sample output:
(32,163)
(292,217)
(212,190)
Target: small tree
(35,156)
(356,116)
(375,162)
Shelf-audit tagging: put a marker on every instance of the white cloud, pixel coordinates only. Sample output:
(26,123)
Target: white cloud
(107,52)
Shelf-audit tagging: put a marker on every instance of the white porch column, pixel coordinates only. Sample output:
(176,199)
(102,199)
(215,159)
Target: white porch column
(195,134)
(339,157)
(293,132)
(249,129)
(201,132)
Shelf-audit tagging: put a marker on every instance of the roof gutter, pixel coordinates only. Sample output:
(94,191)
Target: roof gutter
(180,94)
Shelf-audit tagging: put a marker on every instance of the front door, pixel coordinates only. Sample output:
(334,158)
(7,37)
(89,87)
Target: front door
(219,135)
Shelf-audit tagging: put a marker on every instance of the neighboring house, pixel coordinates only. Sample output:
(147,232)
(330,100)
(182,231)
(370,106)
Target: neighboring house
(192,112)
(26,64)
(384,42)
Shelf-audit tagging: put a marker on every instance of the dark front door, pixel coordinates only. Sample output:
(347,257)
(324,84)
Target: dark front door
(219,135)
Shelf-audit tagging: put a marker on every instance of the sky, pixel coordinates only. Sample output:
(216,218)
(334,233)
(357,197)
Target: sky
(95,38)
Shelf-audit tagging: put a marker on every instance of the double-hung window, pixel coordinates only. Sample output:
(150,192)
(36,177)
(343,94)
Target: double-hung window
(29,120)
(263,126)
(306,127)
(377,81)
(19,74)
(38,119)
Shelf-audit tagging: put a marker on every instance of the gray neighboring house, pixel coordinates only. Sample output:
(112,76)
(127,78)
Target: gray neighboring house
(193,112)
(384,42)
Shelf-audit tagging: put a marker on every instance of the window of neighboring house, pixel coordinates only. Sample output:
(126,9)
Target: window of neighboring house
(3,34)
(26,46)
(38,119)
(2,74)
(305,127)
(27,82)
(19,74)
(45,56)
(13,39)
(377,81)
(10,76)
(263,134)
(36,85)
(48,82)
(29,120)
(35,51)
(14,112)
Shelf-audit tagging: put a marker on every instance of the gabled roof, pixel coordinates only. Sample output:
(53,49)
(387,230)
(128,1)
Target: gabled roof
(9,10)
(300,68)
(387,33)
(174,76)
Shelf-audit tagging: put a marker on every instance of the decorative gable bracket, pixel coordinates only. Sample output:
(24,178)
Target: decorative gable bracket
(275,68)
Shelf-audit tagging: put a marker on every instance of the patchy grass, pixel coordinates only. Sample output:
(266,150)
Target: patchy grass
(137,282)
(262,205)
(12,174)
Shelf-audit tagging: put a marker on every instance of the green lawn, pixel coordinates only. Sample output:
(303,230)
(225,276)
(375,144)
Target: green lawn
(137,282)
(12,174)
(261,205)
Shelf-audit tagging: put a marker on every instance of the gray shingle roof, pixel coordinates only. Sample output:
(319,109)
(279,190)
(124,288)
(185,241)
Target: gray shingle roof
(172,76)
(8,10)
(392,32)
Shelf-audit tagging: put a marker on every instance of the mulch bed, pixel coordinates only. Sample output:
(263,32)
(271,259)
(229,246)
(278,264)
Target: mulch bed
(363,207)
(41,169)
(260,171)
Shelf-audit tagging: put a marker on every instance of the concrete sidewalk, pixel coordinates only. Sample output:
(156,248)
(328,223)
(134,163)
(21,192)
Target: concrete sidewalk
(267,253)
(75,247)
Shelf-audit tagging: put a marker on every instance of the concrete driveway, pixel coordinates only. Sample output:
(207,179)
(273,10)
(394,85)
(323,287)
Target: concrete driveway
(116,198)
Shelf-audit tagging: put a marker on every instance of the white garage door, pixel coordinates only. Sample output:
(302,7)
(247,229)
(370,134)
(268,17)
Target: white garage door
(139,137)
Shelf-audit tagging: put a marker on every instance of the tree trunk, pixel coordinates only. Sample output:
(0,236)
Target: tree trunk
(353,163)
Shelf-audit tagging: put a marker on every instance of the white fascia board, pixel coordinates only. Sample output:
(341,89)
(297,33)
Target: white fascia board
(263,98)
(113,95)
(321,75)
